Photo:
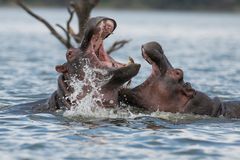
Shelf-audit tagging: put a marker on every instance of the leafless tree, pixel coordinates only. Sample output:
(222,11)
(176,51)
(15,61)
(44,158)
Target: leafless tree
(82,9)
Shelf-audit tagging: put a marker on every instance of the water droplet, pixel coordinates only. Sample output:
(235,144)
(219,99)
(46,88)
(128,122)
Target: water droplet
(111,101)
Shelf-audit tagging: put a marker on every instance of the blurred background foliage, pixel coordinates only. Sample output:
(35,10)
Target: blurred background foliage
(209,5)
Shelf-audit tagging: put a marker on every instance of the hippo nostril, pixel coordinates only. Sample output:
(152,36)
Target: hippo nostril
(187,85)
(70,51)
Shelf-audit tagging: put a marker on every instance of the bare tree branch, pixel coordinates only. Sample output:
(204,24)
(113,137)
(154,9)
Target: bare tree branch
(67,35)
(69,29)
(52,30)
(83,9)
(117,45)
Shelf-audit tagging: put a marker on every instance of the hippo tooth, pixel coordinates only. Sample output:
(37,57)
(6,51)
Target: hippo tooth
(130,60)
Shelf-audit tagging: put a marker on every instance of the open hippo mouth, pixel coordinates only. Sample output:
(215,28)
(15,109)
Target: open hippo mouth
(153,53)
(97,30)
(92,49)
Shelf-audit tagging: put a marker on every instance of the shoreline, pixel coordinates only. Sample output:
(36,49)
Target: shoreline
(130,9)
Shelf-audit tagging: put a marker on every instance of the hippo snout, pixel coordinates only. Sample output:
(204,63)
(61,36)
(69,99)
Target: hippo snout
(134,68)
(127,72)
(124,74)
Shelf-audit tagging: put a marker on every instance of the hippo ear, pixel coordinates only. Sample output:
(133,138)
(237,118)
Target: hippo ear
(61,68)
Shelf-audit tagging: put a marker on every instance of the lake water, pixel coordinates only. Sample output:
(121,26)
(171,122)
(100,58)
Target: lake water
(205,45)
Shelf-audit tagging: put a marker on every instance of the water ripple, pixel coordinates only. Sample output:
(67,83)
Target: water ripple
(205,46)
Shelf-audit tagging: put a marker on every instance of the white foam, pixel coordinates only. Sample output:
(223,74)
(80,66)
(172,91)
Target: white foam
(89,105)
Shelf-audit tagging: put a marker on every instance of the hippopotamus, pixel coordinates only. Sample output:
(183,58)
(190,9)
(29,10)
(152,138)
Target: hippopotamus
(92,56)
(165,90)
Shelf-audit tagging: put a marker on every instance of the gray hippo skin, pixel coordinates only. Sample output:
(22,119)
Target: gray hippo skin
(165,90)
(91,53)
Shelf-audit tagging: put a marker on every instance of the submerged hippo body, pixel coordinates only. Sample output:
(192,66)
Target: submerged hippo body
(165,90)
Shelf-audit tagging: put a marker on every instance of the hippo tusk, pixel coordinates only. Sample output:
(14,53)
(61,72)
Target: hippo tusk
(63,92)
(130,60)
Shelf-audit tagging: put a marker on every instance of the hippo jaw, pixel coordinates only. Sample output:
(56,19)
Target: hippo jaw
(152,52)
(122,75)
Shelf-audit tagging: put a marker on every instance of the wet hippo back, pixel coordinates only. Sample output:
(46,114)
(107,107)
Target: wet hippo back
(47,105)
(203,105)
(231,109)
(40,106)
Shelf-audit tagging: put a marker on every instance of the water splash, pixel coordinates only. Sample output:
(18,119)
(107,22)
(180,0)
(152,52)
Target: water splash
(90,104)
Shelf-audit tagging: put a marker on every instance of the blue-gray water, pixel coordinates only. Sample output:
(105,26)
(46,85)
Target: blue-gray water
(205,45)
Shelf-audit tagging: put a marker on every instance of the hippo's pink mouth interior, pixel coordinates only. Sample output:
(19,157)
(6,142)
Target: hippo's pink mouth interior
(106,60)
(96,47)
